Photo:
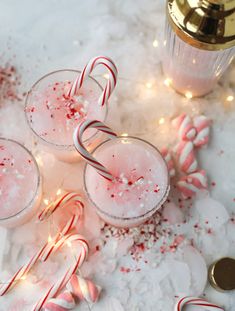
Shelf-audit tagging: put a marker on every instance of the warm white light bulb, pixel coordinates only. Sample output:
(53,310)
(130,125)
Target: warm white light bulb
(59,191)
(155,43)
(188,95)
(161,121)
(230,98)
(167,81)
(148,85)
(69,244)
(124,134)
(106,76)
(46,201)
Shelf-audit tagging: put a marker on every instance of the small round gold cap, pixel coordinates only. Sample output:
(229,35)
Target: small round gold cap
(205,24)
(222,274)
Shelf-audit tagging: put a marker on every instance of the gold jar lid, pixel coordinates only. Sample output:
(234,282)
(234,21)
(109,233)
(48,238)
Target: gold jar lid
(205,24)
(222,274)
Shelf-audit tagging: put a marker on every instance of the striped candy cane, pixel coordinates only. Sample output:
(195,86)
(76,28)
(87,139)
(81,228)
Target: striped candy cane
(77,139)
(64,200)
(111,83)
(67,198)
(52,246)
(81,255)
(193,301)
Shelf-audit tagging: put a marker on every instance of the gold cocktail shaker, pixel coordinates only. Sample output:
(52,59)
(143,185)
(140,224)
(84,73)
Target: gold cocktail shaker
(199,43)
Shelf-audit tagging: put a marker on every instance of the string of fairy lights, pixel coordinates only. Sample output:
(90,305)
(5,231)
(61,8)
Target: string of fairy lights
(148,85)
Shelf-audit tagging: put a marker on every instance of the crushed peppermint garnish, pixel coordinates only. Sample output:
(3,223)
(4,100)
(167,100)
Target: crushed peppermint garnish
(10,80)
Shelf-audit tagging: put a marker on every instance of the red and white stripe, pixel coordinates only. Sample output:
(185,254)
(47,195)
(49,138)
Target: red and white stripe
(186,157)
(91,65)
(185,127)
(202,124)
(55,244)
(84,289)
(194,301)
(77,139)
(169,161)
(191,184)
(80,246)
(66,199)
(62,302)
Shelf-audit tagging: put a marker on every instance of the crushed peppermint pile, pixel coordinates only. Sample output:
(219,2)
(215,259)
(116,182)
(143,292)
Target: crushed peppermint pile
(10,80)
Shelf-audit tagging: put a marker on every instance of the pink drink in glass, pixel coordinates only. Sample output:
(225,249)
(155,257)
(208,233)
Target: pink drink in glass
(52,116)
(20,184)
(141,185)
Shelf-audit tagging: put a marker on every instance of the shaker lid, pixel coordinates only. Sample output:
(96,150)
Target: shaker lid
(205,24)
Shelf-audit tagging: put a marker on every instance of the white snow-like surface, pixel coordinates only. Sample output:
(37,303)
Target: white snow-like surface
(40,36)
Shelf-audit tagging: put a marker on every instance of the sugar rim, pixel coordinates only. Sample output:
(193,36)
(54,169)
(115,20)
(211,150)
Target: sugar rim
(39,179)
(27,100)
(150,212)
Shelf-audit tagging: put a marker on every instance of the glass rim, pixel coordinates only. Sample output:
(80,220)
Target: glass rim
(151,211)
(55,145)
(39,179)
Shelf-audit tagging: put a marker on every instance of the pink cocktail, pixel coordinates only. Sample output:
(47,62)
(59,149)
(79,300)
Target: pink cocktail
(62,99)
(53,116)
(140,185)
(20,184)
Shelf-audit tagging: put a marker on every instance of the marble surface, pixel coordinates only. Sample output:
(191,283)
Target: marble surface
(40,36)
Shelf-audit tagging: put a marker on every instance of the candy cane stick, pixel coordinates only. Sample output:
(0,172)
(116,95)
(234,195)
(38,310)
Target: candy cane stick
(195,302)
(69,197)
(111,83)
(82,253)
(48,248)
(77,139)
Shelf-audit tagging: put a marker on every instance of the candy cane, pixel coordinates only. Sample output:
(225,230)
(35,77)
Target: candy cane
(169,161)
(186,156)
(112,79)
(185,127)
(24,270)
(55,288)
(202,124)
(194,301)
(189,185)
(84,289)
(51,246)
(69,197)
(62,302)
(77,139)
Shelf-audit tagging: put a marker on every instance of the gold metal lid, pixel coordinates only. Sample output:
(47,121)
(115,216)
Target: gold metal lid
(222,274)
(205,24)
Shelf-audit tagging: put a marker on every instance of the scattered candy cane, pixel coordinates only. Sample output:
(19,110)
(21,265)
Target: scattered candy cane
(67,198)
(81,255)
(62,238)
(169,161)
(186,156)
(185,127)
(83,288)
(77,139)
(64,200)
(24,270)
(62,302)
(191,184)
(112,79)
(202,124)
(194,301)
